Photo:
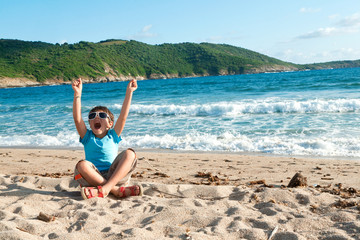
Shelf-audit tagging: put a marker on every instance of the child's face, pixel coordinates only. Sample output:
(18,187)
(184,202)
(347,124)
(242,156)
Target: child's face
(100,126)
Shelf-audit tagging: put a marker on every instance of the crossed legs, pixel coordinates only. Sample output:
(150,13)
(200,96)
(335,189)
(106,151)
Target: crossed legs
(94,178)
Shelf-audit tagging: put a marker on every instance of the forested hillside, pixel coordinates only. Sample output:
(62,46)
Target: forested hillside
(113,60)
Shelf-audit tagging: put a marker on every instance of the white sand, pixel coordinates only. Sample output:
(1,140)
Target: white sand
(177,204)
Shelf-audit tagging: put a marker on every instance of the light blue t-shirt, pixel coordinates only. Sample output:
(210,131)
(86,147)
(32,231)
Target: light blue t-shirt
(101,151)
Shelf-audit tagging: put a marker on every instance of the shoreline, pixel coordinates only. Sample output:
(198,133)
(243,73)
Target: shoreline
(160,150)
(8,83)
(239,168)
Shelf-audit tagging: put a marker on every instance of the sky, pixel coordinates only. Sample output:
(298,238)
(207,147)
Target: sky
(297,31)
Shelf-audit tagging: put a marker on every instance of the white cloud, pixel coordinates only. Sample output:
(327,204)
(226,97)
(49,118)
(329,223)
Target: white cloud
(340,54)
(299,57)
(146,28)
(309,10)
(321,32)
(346,25)
(351,21)
(291,55)
(144,33)
(346,53)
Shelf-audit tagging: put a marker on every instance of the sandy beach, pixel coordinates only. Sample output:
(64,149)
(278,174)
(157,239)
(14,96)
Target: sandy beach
(186,196)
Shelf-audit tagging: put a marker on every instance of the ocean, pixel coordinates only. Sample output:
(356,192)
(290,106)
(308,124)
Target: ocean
(308,113)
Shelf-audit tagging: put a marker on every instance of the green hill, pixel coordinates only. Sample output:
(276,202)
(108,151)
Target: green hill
(334,64)
(119,60)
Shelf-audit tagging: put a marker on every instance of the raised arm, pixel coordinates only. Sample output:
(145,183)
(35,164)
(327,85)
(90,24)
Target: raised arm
(79,122)
(120,123)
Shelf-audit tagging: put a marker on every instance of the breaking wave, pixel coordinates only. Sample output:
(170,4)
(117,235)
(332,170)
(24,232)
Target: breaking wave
(268,106)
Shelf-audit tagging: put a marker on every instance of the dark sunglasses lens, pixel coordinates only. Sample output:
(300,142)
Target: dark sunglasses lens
(102,115)
(92,115)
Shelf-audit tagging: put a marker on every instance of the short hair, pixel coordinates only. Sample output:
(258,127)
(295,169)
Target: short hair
(104,109)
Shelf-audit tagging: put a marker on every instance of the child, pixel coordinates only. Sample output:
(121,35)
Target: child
(103,172)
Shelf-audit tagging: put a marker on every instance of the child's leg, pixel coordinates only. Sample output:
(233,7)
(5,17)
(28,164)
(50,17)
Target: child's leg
(88,171)
(123,167)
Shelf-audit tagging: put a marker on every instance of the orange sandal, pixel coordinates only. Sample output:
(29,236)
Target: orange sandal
(87,192)
(131,191)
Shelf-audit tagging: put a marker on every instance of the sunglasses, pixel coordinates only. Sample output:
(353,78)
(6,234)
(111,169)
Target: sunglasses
(102,115)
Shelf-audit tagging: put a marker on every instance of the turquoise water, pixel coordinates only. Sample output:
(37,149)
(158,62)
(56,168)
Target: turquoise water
(312,113)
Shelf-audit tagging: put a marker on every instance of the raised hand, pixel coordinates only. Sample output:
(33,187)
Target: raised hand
(77,87)
(132,86)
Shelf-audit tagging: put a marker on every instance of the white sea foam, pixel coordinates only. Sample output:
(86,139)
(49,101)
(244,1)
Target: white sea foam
(240,143)
(267,106)
(63,139)
(228,141)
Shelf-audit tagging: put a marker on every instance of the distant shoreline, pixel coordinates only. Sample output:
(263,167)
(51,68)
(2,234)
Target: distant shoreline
(22,82)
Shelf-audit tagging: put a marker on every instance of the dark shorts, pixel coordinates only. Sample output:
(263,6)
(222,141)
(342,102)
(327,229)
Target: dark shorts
(107,173)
